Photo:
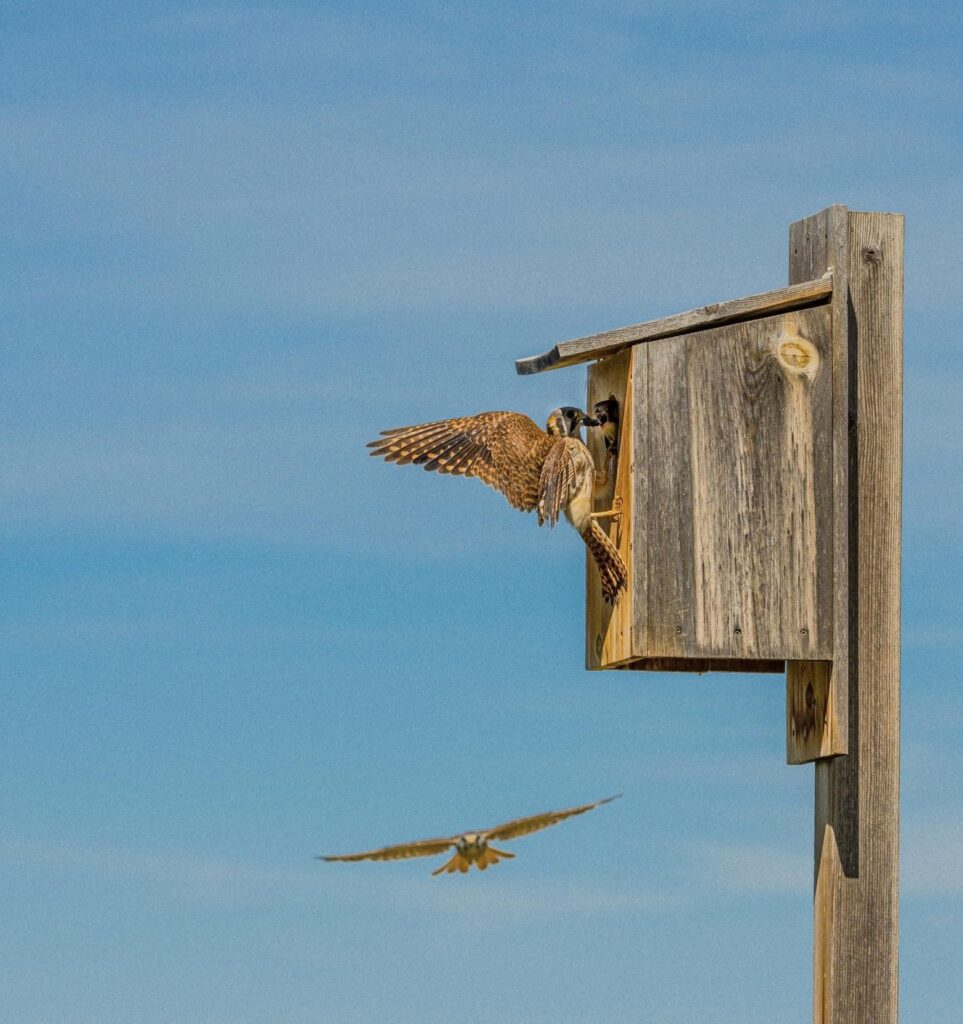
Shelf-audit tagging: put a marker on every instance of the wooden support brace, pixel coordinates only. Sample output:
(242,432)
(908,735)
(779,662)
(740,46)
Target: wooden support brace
(811,725)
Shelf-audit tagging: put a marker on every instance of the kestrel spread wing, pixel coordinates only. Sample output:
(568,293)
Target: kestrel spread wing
(471,847)
(419,848)
(506,450)
(523,826)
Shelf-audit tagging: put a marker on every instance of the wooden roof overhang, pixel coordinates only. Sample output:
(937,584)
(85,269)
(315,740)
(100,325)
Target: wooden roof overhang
(751,307)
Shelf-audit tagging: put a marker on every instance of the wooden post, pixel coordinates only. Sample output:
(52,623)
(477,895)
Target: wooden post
(857,794)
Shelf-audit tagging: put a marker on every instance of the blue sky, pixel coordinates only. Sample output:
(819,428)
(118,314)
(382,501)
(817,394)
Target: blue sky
(240,240)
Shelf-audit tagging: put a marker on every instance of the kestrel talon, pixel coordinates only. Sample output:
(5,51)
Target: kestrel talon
(549,471)
(472,847)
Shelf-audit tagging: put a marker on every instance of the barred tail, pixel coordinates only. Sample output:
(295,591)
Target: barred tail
(610,565)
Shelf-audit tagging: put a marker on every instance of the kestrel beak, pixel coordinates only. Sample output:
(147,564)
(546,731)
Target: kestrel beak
(587,421)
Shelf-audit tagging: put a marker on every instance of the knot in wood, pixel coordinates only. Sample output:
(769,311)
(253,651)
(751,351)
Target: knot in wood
(797,355)
(873,254)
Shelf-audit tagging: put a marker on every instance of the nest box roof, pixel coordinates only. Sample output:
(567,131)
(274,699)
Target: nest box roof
(595,346)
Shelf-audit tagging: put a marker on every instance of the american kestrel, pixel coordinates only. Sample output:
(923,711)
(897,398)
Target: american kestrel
(472,847)
(549,470)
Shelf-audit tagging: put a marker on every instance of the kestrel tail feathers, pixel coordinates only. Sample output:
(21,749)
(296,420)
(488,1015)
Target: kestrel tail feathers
(612,571)
(458,862)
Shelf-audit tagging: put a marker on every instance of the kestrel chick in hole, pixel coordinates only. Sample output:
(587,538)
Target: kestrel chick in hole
(606,413)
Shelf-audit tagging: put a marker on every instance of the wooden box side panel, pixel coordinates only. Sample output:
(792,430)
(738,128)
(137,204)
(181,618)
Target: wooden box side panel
(819,245)
(608,640)
(736,513)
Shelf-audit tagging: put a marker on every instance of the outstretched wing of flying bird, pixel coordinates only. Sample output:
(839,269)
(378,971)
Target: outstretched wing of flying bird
(523,826)
(401,851)
(471,847)
(506,450)
(549,470)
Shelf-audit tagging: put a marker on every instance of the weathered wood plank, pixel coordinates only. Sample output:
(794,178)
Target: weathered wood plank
(734,554)
(669,623)
(857,795)
(754,482)
(639,539)
(818,245)
(580,350)
(608,636)
(809,724)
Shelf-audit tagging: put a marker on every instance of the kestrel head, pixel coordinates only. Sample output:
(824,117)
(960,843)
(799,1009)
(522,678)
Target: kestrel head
(566,421)
(469,841)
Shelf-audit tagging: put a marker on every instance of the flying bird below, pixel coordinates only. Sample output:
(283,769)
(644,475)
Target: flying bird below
(472,847)
(549,471)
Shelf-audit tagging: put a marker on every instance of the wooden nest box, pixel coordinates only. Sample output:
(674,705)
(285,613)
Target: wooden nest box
(731,477)
(721,486)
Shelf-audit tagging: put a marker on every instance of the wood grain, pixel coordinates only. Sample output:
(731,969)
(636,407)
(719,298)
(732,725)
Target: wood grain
(668,626)
(608,628)
(818,245)
(809,723)
(857,795)
(798,295)
(738,561)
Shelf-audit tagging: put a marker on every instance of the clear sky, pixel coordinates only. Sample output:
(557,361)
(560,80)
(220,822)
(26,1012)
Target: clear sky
(241,238)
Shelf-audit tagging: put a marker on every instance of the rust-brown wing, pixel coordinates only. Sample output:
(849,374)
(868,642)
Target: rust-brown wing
(557,481)
(504,449)
(402,851)
(523,826)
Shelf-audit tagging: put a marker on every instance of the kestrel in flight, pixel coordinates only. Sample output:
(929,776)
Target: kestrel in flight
(472,847)
(549,471)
